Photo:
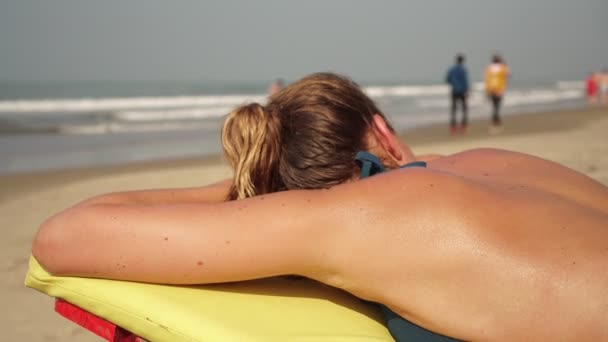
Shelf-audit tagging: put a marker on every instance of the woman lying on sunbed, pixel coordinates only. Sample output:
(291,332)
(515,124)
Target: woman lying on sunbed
(481,245)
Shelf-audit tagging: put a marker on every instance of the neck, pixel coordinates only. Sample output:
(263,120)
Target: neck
(407,156)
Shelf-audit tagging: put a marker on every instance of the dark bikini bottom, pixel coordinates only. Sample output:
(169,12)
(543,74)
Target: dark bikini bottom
(404,330)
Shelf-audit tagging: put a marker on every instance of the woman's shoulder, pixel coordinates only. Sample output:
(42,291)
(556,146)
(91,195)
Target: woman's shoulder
(489,158)
(406,191)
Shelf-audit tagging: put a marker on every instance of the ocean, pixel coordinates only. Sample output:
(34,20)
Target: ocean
(55,125)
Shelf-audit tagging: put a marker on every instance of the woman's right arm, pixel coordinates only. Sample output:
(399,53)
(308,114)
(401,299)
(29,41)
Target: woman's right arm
(213,193)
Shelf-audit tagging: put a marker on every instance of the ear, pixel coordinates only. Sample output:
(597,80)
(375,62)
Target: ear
(387,139)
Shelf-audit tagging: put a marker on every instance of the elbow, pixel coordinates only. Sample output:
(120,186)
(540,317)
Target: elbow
(48,244)
(66,243)
(54,244)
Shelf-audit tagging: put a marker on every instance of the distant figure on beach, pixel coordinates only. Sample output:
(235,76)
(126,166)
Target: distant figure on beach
(603,86)
(496,76)
(592,87)
(274,88)
(458,80)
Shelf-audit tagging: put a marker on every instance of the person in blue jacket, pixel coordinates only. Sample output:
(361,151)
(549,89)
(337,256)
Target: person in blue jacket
(458,80)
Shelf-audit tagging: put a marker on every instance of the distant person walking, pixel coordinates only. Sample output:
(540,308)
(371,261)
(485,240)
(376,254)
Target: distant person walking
(603,86)
(458,80)
(275,87)
(496,77)
(592,87)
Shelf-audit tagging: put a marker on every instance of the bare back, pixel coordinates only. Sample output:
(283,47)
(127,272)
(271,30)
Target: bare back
(482,245)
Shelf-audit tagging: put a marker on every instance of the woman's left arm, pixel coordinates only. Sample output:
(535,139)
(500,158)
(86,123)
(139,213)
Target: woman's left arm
(128,238)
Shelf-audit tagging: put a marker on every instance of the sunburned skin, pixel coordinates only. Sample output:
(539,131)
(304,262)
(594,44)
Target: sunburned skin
(478,255)
(481,245)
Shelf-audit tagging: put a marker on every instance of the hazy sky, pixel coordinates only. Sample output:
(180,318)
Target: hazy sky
(402,40)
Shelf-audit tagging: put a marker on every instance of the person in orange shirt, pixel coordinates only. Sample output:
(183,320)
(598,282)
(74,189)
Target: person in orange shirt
(496,77)
(602,82)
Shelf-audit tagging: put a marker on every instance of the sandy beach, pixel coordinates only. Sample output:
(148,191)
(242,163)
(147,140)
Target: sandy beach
(577,139)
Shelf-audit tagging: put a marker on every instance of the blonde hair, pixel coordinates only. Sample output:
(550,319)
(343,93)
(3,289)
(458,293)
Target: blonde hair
(251,143)
(306,137)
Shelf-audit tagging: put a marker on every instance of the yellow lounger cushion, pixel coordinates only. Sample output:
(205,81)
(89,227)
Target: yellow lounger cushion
(273,309)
